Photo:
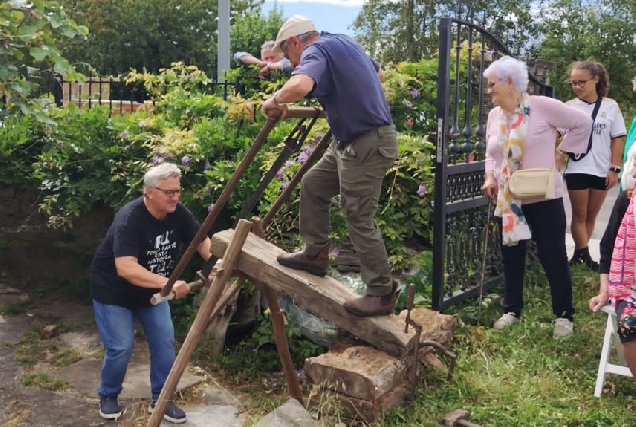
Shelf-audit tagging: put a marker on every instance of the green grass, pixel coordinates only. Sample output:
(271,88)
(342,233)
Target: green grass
(523,376)
(43,381)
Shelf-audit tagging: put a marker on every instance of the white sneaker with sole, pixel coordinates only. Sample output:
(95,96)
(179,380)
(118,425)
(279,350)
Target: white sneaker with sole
(506,320)
(563,327)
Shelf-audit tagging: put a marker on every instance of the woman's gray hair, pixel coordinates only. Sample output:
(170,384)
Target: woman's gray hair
(159,172)
(269,46)
(508,67)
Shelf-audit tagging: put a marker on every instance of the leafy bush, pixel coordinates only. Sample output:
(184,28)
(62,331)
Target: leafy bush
(88,157)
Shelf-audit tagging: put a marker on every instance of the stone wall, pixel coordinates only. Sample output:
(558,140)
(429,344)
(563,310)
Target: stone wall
(32,254)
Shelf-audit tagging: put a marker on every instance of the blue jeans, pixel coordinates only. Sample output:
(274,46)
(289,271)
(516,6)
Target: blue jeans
(117,330)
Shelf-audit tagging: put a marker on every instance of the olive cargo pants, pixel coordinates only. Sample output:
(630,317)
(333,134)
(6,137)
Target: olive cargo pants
(355,171)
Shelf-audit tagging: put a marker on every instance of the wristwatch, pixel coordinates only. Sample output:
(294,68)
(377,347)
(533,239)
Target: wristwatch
(615,169)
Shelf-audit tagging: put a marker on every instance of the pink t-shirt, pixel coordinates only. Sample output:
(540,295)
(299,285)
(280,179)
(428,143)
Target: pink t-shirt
(546,116)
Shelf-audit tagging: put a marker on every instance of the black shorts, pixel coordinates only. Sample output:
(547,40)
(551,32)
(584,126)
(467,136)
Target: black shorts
(626,323)
(583,181)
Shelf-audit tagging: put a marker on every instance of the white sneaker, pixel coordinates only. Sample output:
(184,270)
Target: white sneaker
(507,319)
(563,327)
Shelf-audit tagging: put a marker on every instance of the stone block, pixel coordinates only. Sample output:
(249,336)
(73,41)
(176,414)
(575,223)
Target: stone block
(359,409)
(290,414)
(361,372)
(435,326)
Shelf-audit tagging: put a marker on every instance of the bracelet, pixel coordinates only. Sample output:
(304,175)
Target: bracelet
(276,100)
(615,169)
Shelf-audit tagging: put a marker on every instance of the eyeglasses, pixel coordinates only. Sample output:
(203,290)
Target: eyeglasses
(169,193)
(577,83)
(490,85)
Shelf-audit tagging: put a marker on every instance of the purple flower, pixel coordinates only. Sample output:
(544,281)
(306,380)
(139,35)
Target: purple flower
(300,374)
(207,166)
(289,163)
(185,160)
(279,174)
(210,207)
(415,93)
(404,274)
(156,161)
(284,185)
(334,251)
(124,134)
(309,149)
(335,201)
(302,158)
(421,190)
(167,156)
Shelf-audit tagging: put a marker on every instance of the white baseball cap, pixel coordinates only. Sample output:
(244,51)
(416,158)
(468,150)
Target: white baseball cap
(294,26)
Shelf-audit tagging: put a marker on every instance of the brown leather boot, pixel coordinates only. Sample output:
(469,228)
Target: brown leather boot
(318,264)
(370,305)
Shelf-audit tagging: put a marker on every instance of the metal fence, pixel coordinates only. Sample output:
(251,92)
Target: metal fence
(121,97)
(460,209)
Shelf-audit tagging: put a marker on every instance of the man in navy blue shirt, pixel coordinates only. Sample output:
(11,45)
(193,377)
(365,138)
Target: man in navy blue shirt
(132,263)
(337,71)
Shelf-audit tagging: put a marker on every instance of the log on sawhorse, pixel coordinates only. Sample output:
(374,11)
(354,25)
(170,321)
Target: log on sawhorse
(218,292)
(323,296)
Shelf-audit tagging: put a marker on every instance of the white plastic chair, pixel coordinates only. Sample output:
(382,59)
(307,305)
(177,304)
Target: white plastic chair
(604,366)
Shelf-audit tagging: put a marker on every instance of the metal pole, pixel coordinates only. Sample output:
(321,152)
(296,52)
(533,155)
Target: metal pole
(223,54)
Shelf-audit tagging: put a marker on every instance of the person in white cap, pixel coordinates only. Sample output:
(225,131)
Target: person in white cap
(337,71)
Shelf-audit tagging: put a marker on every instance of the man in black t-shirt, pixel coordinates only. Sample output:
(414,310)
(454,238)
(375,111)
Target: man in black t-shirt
(133,261)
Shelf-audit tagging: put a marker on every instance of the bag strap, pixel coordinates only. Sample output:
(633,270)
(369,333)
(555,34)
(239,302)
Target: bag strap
(578,156)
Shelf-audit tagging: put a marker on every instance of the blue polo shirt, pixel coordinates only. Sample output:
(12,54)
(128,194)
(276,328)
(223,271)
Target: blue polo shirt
(346,84)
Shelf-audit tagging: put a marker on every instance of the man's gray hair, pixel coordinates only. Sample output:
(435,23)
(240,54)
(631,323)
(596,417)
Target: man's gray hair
(508,67)
(159,172)
(306,36)
(302,37)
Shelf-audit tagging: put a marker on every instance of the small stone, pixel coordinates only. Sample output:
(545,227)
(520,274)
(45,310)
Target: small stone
(453,417)
(290,414)
(49,332)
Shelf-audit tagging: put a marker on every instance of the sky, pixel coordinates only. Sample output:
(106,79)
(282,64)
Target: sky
(335,16)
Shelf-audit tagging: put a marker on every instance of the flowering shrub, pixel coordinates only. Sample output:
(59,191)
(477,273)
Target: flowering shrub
(89,158)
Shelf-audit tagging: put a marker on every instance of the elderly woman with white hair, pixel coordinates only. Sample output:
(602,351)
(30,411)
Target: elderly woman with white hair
(617,267)
(521,134)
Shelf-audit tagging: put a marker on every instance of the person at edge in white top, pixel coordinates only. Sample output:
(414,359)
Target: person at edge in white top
(589,178)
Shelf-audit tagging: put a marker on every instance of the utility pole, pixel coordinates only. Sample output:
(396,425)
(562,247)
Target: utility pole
(223,50)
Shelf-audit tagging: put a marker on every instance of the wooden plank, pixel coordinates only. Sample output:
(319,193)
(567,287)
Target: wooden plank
(323,296)
(200,322)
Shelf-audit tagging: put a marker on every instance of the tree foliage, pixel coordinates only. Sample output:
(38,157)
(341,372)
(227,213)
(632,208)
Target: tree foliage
(604,31)
(30,31)
(151,35)
(407,30)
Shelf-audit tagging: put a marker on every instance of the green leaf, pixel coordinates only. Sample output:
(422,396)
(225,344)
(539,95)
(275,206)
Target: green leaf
(27,31)
(39,53)
(62,66)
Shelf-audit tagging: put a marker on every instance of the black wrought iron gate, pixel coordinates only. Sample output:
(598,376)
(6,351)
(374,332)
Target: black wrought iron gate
(466,49)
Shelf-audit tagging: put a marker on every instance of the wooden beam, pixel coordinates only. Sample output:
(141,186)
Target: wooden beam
(323,296)
(304,113)
(200,322)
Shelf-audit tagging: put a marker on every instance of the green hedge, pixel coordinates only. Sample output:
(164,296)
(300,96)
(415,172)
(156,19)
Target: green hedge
(88,158)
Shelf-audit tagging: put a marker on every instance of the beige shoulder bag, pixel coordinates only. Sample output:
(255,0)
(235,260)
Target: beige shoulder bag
(532,183)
